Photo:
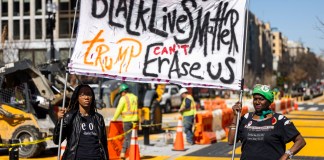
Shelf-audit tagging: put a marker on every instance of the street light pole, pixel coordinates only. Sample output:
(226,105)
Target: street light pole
(51,11)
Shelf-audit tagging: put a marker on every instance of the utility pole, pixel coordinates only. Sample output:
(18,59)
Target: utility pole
(51,11)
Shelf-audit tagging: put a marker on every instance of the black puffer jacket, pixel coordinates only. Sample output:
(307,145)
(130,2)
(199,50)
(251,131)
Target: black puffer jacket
(71,132)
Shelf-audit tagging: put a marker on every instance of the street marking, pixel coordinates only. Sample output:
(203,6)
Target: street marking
(312,109)
(301,108)
(305,112)
(310,103)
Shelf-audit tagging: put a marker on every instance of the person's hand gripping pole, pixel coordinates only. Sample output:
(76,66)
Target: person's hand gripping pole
(237,108)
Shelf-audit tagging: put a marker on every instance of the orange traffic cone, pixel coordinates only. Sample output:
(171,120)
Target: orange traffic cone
(134,153)
(63,145)
(179,143)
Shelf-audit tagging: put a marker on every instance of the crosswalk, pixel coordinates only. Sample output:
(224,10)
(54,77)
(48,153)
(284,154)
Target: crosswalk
(311,107)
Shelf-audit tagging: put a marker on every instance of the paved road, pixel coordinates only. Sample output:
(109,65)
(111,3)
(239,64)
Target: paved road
(309,121)
(311,107)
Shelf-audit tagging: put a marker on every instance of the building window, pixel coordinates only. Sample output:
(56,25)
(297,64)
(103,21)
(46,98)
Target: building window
(25,54)
(4,7)
(38,29)
(64,6)
(72,6)
(40,57)
(64,28)
(16,8)
(64,54)
(36,56)
(26,8)
(1,56)
(38,7)
(27,29)
(16,29)
(4,30)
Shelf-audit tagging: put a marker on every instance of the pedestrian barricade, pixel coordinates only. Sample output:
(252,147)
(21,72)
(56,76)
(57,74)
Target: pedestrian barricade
(213,104)
(295,106)
(115,145)
(203,128)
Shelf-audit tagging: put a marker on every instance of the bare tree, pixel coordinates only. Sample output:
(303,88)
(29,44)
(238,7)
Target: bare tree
(306,68)
(321,26)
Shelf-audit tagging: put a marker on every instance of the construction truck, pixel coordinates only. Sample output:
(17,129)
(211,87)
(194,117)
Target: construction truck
(27,109)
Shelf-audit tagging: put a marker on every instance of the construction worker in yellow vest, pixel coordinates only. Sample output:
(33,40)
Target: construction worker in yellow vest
(127,108)
(188,111)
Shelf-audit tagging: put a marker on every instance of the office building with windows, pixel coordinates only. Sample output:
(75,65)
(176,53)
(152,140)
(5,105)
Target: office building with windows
(25,28)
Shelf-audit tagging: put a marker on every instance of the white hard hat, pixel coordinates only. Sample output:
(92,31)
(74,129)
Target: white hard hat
(183,90)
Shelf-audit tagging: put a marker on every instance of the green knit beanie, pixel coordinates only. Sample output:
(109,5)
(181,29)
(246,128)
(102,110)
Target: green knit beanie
(265,91)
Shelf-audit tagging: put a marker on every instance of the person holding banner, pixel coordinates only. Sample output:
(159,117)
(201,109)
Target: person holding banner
(127,107)
(263,133)
(83,128)
(188,111)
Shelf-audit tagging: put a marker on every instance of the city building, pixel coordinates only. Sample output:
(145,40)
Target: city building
(25,27)
(259,56)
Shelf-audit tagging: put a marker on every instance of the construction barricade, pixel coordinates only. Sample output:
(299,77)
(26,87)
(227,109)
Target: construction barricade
(213,104)
(203,128)
(284,106)
(115,143)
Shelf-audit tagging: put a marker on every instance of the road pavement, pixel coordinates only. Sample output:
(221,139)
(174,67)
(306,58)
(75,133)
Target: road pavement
(309,120)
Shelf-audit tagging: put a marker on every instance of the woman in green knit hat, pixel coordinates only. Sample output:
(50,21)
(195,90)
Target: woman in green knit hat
(264,133)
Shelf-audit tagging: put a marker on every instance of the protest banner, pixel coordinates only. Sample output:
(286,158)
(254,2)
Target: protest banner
(189,42)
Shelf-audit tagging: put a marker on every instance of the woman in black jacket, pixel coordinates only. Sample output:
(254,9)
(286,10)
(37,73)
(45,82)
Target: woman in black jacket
(83,128)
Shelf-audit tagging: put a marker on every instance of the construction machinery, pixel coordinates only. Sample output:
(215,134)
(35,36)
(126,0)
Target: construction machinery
(27,110)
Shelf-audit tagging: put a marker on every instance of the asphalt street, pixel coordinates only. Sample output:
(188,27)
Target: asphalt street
(309,120)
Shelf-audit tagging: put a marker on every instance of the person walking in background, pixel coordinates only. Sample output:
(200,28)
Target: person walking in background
(127,107)
(263,133)
(188,111)
(83,128)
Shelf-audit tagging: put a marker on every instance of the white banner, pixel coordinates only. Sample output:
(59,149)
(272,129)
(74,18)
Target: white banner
(189,42)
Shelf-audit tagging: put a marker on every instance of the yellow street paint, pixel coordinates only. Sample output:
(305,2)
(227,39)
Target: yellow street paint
(204,158)
(152,137)
(308,123)
(306,113)
(313,148)
(155,157)
(40,158)
(311,132)
(309,117)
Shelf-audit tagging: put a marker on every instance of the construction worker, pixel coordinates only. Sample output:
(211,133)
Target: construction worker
(188,111)
(127,107)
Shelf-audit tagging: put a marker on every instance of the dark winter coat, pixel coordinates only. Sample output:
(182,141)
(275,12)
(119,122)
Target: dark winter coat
(71,132)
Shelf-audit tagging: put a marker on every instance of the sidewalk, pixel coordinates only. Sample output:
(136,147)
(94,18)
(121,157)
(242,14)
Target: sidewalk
(319,99)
